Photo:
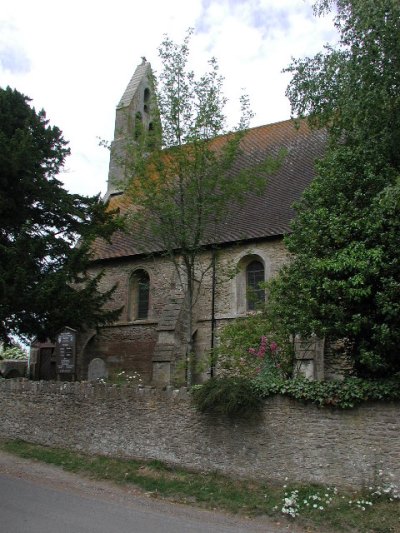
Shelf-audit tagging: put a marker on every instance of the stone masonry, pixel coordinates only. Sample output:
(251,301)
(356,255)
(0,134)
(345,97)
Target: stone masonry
(252,231)
(153,347)
(288,439)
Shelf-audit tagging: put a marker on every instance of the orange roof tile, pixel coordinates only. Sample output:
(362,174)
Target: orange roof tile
(260,216)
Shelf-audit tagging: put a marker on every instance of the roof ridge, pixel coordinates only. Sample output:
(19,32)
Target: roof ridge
(133,84)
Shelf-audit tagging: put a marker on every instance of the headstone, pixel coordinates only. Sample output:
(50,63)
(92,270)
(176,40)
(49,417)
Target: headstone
(97,369)
(161,373)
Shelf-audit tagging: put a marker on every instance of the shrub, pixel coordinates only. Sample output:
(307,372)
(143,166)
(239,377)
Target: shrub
(247,345)
(13,352)
(341,394)
(227,396)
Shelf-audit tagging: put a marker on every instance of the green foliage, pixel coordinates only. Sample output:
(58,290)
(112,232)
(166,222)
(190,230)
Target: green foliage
(344,281)
(234,396)
(233,356)
(353,89)
(237,396)
(336,393)
(248,363)
(15,351)
(183,187)
(43,281)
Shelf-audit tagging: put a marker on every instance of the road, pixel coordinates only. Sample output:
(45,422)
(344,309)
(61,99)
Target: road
(40,498)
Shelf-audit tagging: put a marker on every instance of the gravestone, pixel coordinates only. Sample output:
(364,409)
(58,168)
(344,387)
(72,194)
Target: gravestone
(97,369)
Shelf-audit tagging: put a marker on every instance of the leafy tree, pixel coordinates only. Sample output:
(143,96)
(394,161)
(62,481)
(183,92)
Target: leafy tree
(43,281)
(13,352)
(344,280)
(182,187)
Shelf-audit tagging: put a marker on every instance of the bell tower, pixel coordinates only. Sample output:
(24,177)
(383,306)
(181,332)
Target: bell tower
(133,112)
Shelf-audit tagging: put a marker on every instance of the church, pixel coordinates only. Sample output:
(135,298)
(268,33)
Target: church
(149,336)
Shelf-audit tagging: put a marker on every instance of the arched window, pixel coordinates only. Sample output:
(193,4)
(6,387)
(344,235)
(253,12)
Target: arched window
(255,275)
(139,297)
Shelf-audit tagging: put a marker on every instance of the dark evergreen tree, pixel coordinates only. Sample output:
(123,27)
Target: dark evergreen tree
(44,284)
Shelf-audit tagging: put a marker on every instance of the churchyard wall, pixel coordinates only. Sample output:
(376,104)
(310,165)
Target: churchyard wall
(358,447)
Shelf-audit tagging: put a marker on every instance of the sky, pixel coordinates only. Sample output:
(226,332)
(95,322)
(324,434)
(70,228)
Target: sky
(74,59)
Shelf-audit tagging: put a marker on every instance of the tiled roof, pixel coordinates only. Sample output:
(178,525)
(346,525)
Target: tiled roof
(260,216)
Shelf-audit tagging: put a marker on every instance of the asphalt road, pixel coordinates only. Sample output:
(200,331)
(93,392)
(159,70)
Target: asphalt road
(39,498)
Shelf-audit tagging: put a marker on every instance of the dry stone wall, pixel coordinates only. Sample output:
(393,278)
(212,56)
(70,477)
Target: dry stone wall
(288,439)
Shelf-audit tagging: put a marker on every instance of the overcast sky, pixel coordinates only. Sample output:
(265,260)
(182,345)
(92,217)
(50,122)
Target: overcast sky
(75,59)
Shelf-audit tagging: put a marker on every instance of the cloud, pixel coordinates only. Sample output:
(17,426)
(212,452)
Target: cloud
(14,60)
(81,58)
(12,56)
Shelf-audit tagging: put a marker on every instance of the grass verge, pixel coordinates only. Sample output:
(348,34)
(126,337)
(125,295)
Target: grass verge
(376,510)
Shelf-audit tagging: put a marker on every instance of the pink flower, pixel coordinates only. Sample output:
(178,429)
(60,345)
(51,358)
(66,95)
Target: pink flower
(261,350)
(263,341)
(273,346)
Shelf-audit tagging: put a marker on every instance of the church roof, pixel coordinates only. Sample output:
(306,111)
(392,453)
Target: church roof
(260,216)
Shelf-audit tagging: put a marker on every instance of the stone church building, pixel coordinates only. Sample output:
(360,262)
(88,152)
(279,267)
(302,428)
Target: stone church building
(149,334)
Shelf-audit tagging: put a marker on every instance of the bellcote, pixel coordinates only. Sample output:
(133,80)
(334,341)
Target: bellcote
(133,107)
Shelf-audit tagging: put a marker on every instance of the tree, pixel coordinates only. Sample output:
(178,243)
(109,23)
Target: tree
(182,187)
(13,352)
(344,280)
(43,281)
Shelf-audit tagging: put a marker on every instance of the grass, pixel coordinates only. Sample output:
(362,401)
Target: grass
(215,491)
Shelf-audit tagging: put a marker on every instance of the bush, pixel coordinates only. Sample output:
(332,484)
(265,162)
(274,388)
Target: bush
(227,396)
(239,396)
(248,345)
(341,394)
(13,352)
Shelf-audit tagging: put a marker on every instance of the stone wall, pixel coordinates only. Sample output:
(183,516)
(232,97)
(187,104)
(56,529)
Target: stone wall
(288,439)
